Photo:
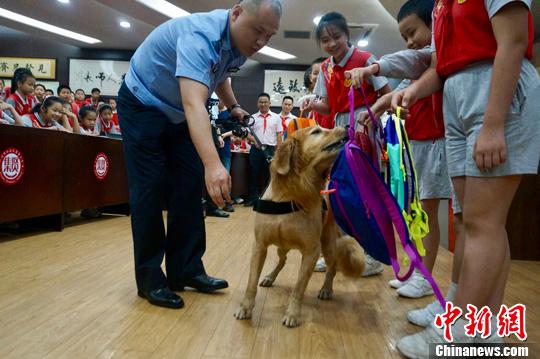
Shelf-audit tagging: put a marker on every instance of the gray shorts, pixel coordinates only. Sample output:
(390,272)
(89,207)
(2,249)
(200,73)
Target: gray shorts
(342,118)
(456,208)
(465,99)
(431,168)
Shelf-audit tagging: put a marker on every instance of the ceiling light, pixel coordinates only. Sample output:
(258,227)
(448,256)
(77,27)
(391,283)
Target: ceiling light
(363,43)
(13,16)
(269,51)
(125,24)
(164,7)
(64,1)
(317,19)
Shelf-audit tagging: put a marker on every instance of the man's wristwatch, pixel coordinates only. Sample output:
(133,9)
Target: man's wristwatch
(234,106)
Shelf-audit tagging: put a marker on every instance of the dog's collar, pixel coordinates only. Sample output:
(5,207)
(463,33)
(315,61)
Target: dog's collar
(271,207)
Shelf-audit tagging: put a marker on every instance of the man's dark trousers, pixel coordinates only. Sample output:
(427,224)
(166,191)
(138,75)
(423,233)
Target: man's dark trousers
(163,167)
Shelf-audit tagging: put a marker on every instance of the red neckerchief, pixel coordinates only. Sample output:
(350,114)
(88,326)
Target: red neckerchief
(106,128)
(22,104)
(264,117)
(284,122)
(38,122)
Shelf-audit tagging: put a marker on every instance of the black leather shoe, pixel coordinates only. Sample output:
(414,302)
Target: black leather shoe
(217,213)
(162,297)
(203,283)
(228,207)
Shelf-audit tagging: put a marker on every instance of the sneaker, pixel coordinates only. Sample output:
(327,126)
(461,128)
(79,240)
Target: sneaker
(320,266)
(396,283)
(371,266)
(425,316)
(416,287)
(249,203)
(238,200)
(416,346)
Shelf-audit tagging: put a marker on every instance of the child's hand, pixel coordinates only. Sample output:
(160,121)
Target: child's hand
(490,147)
(363,118)
(404,99)
(5,105)
(361,74)
(308,105)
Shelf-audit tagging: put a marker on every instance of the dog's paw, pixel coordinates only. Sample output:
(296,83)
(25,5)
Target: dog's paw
(266,282)
(291,321)
(325,294)
(242,313)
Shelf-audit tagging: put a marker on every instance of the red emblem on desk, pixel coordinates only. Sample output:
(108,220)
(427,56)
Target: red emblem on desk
(101,166)
(12,166)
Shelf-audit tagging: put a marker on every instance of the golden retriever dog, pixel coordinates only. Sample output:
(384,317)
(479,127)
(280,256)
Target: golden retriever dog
(298,173)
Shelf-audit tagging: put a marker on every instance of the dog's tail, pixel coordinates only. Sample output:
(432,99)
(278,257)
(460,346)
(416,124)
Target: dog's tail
(350,257)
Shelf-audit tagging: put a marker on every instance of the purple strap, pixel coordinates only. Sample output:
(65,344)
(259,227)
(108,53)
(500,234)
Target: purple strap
(374,121)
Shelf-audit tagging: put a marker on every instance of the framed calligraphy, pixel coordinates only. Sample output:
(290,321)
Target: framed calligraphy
(279,83)
(41,68)
(106,75)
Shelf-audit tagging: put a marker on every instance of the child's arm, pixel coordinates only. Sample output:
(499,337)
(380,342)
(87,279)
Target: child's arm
(510,26)
(64,121)
(14,118)
(429,83)
(321,106)
(408,64)
(76,127)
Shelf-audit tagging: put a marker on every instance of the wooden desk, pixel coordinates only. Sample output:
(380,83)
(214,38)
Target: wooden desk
(240,174)
(39,189)
(82,187)
(57,174)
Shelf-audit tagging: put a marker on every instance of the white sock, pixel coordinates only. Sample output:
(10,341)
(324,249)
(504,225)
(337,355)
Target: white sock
(451,292)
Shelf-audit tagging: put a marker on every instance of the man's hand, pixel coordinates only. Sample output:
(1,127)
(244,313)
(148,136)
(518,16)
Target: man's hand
(239,112)
(218,183)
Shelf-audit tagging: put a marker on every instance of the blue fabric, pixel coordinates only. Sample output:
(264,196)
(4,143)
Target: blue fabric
(197,46)
(350,198)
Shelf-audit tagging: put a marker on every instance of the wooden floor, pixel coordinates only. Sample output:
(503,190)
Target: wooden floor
(72,295)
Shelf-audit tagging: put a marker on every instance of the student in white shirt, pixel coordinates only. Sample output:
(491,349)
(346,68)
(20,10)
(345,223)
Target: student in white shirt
(268,129)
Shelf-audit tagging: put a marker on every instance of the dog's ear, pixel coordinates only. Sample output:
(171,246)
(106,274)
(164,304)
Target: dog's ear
(285,155)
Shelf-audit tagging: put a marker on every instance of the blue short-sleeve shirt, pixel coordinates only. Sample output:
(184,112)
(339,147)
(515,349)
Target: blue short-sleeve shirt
(197,46)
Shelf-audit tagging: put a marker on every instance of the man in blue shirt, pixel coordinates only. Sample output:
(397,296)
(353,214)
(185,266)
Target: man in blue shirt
(168,143)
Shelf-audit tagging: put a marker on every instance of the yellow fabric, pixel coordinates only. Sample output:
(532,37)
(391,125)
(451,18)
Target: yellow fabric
(417,220)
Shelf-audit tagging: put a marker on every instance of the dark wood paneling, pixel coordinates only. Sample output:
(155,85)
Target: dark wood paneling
(82,189)
(523,224)
(240,174)
(39,191)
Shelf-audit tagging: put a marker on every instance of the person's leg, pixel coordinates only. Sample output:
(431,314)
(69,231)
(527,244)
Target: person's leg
(254,164)
(265,169)
(186,237)
(145,161)
(459,229)
(485,263)
(432,240)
